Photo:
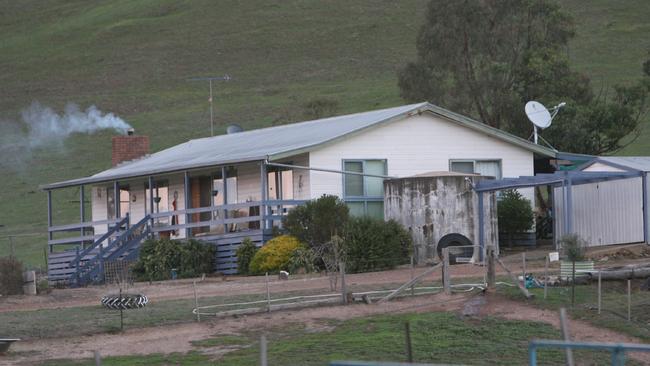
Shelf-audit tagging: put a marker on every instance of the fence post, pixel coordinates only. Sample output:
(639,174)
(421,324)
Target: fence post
(407,337)
(445,271)
(121,312)
(412,276)
(600,293)
(98,359)
(545,276)
(196,302)
(268,295)
(76,267)
(629,300)
(491,270)
(344,289)
(564,326)
(263,355)
(523,265)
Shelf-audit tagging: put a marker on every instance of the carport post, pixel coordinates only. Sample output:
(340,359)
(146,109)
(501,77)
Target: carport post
(481,226)
(644,185)
(569,207)
(565,217)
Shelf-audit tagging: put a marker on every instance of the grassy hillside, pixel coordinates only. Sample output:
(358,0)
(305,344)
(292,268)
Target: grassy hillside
(134,59)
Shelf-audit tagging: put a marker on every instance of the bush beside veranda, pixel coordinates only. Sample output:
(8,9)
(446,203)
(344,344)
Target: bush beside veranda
(245,254)
(158,257)
(275,255)
(11,276)
(373,244)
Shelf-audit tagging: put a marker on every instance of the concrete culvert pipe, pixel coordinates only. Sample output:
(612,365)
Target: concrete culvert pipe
(456,255)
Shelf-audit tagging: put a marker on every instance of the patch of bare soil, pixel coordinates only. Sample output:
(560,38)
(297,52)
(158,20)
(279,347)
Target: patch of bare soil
(178,338)
(579,330)
(217,286)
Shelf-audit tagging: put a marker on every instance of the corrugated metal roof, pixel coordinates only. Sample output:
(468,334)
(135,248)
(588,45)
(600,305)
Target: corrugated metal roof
(278,142)
(640,163)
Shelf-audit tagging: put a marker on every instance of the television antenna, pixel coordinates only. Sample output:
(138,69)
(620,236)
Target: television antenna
(541,117)
(211,79)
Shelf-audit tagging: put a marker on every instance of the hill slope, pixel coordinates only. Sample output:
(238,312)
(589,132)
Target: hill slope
(134,59)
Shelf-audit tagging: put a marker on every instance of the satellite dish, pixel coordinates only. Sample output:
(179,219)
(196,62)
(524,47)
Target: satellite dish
(540,116)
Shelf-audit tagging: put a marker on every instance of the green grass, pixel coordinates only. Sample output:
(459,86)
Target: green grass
(614,306)
(52,323)
(436,338)
(134,58)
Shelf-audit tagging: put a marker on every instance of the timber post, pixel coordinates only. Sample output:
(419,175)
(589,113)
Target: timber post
(491,270)
(446,281)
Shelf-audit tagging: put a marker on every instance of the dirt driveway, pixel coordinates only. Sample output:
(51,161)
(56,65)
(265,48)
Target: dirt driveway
(220,286)
(178,338)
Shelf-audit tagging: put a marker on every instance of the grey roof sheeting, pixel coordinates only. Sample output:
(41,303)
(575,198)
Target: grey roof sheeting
(638,163)
(274,143)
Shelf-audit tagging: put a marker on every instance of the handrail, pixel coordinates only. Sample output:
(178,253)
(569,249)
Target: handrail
(229,206)
(92,265)
(131,239)
(98,243)
(234,220)
(108,234)
(81,225)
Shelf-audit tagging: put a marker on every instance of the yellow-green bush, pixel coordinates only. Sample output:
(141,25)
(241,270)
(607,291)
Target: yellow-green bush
(275,255)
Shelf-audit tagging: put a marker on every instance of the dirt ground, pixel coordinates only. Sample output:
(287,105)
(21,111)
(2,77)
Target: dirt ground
(221,286)
(178,338)
(237,285)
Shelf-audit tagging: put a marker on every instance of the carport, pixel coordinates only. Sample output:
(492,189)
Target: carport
(564,180)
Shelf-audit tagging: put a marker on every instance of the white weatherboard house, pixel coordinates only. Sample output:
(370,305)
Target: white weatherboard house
(224,188)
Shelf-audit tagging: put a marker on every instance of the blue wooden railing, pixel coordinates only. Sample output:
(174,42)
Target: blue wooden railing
(92,270)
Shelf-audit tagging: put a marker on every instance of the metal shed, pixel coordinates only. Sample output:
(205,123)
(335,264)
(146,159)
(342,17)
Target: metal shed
(578,207)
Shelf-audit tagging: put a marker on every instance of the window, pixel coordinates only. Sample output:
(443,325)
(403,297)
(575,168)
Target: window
(124,202)
(491,168)
(364,195)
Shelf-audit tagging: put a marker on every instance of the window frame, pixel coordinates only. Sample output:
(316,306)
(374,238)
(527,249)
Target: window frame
(474,161)
(364,198)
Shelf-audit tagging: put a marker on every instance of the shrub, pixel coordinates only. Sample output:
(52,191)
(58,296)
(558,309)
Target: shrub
(373,244)
(245,254)
(197,257)
(302,259)
(159,257)
(11,276)
(275,255)
(515,213)
(573,247)
(317,221)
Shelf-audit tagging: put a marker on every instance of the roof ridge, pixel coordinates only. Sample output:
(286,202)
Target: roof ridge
(313,121)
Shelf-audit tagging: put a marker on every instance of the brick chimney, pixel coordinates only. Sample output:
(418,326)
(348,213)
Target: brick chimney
(129,147)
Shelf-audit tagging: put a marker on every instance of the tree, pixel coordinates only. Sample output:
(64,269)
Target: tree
(515,213)
(316,222)
(573,247)
(487,58)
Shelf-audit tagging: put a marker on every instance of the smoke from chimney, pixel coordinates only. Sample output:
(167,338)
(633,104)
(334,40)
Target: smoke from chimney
(41,127)
(44,125)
